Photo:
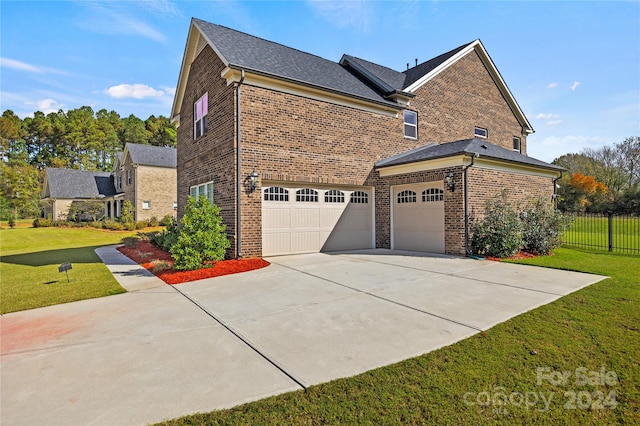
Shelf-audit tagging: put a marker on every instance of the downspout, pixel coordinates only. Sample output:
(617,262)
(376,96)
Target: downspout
(555,191)
(467,250)
(238,171)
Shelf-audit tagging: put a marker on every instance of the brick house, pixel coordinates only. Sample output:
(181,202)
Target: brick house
(346,155)
(145,175)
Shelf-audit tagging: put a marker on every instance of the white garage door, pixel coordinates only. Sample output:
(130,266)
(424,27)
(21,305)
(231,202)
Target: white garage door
(418,217)
(311,219)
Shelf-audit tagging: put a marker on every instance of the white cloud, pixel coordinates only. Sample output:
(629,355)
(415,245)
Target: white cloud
(542,116)
(575,85)
(135,91)
(553,122)
(552,85)
(45,105)
(163,7)
(357,14)
(116,18)
(23,66)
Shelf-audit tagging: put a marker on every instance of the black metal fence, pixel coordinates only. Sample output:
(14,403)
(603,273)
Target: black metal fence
(610,232)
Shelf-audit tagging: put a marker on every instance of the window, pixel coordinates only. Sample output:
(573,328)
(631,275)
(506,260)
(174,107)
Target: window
(119,182)
(334,196)
(410,124)
(200,109)
(276,194)
(480,132)
(128,177)
(175,205)
(205,189)
(146,205)
(432,194)
(516,143)
(359,197)
(407,197)
(307,195)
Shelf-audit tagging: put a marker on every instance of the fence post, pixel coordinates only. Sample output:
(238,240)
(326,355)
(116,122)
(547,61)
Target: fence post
(610,215)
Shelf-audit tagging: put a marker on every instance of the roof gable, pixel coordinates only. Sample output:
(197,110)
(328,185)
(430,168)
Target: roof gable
(70,184)
(149,155)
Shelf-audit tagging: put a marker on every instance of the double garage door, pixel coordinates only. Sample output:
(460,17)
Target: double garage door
(310,219)
(418,217)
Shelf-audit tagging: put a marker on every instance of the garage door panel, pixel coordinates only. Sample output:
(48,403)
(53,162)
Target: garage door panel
(418,225)
(277,243)
(279,218)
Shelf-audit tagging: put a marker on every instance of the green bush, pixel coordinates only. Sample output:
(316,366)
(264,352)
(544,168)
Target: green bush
(112,225)
(130,242)
(202,236)
(153,221)
(167,238)
(499,232)
(167,220)
(128,218)
(11,222)
(542,228)
(42,223)
(141,224)
(96,224)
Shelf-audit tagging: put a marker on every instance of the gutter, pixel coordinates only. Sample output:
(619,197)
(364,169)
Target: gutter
(467,249)
(238,170)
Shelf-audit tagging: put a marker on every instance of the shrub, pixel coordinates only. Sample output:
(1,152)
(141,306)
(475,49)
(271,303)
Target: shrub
(130,242)
(11,222)
(159,266)
(167,238)
(112,225)
(141,224)
(42,223)
(96,224)
(128,218)
(499,232)
(153,221)
(542,228)
(202,236)
(147,236)
(167,220)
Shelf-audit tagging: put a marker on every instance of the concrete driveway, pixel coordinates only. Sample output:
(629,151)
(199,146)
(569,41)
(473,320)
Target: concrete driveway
(162,351)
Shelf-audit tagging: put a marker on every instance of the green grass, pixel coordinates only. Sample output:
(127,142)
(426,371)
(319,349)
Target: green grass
(595,327)
(29,266)
(592,232)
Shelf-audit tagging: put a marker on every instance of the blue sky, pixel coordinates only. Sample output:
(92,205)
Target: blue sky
(574,67)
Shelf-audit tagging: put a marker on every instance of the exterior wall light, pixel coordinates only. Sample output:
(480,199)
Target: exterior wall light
(253,180)
(448,179)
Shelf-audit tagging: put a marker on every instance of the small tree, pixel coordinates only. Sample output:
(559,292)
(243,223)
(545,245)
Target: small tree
(128,218)
(499,232)
(542,228)
(202,237)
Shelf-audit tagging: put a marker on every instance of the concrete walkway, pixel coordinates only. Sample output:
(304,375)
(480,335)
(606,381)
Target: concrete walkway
(162,351)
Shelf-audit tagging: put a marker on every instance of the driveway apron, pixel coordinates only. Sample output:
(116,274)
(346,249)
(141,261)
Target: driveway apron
(163,351)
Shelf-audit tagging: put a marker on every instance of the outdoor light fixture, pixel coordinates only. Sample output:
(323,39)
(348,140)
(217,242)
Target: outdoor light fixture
(448,179)
(253,180)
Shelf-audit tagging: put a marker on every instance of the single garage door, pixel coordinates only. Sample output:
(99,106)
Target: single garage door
(418,217)
(312,219)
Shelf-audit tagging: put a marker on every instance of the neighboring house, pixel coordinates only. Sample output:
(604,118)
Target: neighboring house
(347,155)
(63,187)
(145,175)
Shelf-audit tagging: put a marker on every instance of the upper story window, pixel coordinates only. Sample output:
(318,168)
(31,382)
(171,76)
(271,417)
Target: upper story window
(407,197)
(204,189)
(410,124)
(516,144)
(307,195)
(334,196)
(119,182)
(480,132)
(276,194)
(129,177)
(200,109)
(359,197)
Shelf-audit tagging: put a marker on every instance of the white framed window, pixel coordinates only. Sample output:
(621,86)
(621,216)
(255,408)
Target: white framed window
(146,205)
(200,110)
(359,197)
(407,197)
(276,194)
(175,205)
(334,196)
(432,194)
(480,132)
(129,177)
(307,195)
(205,189)
(410,124)
(516,144)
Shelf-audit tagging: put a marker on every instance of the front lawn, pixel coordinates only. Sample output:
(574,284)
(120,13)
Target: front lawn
(510,374)
(30,260)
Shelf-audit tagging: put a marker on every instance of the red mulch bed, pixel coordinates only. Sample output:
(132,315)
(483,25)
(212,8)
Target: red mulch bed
(520,255)
(145,253)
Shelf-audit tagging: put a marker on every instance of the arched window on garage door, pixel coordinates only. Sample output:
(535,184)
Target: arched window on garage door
(359,197)
(432,194)
(276,194)
(334,196)
(407,197)
(307,195)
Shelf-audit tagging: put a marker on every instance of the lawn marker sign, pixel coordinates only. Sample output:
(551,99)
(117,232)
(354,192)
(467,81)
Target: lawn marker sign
(65,268)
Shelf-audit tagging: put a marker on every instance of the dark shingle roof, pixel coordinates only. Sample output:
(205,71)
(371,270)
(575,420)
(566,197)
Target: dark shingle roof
(149,155)
(241,50)
(469,147)
(67,183)
(416,73)
(392,78)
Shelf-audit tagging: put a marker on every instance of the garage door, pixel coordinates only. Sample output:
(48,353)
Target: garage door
(418,217)
(311,219)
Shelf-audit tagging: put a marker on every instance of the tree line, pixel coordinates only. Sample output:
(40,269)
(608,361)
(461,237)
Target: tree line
(603,179)
(77,139)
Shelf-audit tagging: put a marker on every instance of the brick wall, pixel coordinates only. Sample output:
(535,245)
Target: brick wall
(157,185)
